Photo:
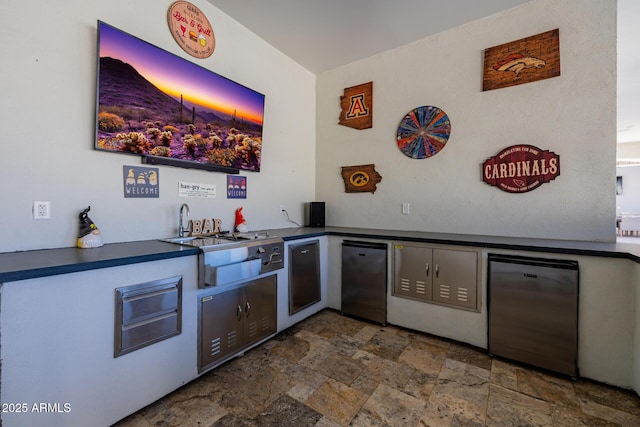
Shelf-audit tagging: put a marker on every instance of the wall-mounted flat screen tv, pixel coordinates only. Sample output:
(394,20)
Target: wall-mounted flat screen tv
(171,111)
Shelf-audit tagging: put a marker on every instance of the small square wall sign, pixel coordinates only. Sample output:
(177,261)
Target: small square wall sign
(236,187)
(199,190)
(141,182)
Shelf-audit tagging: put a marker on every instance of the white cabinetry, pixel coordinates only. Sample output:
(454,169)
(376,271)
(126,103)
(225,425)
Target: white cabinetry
(57,346)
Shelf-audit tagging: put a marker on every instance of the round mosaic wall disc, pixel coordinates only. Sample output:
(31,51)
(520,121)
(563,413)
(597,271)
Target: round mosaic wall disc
(423,132)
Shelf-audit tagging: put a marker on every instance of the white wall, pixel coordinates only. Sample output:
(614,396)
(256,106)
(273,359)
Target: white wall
(629,200)
(573,115)
(48,106)
(628,151)
(48,78)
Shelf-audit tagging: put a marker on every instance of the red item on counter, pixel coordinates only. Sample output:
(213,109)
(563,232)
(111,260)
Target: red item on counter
(239,219)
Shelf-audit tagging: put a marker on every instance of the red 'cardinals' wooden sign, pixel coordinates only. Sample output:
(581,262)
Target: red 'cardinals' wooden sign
(521,168)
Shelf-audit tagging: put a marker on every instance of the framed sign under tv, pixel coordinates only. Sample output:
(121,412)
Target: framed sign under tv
(171,111)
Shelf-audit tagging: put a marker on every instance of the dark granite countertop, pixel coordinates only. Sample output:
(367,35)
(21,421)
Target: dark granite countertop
(599,249)
(16,266)
(49,262)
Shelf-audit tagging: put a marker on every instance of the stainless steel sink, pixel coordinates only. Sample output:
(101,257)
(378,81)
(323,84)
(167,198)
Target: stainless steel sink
(178,240)
(230,258)
(198,241)
(212,240)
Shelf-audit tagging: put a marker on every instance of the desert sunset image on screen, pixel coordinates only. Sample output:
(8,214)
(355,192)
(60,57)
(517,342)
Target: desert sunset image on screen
(152,102)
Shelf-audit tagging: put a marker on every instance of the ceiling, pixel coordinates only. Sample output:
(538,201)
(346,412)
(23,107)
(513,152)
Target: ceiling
(324,34)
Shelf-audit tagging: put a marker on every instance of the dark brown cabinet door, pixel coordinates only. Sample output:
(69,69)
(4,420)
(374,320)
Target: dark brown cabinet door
(304,275)
(221,326)
(260,309)
(454,279)
(413,271)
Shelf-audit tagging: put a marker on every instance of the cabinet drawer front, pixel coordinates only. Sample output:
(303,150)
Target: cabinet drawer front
(147,313)
(137,308)
(152,330)
(232,273)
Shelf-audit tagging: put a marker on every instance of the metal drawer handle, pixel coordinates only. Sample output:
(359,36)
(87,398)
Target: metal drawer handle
(427,269)
(247,308)
(437,270)
(239,312)
(274,258)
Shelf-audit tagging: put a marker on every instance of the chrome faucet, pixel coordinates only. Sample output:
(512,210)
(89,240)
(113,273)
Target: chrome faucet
(181,227)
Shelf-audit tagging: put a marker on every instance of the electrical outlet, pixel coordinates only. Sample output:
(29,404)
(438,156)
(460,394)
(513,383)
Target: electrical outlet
(405,208)
(282,209)
(41,209)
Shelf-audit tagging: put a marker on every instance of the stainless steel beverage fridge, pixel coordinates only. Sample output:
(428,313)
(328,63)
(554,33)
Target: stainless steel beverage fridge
(533,311)
(364,280)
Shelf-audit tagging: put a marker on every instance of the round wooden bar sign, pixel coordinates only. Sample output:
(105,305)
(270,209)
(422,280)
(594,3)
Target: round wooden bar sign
(191,29)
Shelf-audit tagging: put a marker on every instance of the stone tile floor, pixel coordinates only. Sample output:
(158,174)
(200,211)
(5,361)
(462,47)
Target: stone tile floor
(331,370)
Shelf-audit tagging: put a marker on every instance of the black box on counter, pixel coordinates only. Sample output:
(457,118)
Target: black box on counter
(315,214)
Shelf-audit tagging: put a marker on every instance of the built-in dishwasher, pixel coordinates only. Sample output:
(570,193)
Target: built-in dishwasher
(364,280)
(533,311)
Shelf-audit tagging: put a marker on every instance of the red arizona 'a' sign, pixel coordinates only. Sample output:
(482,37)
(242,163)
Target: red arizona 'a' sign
(357,106)
(521,168)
